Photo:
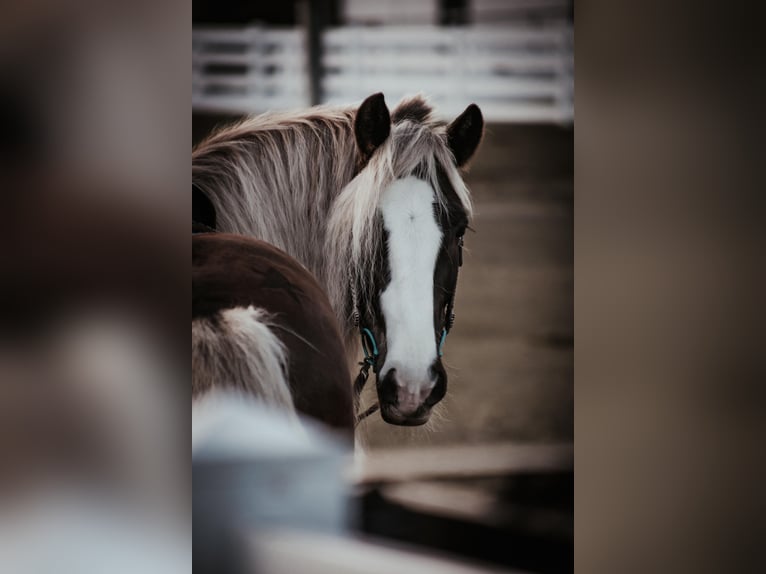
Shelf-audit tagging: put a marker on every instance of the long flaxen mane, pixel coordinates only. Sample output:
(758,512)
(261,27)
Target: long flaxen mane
(296,180)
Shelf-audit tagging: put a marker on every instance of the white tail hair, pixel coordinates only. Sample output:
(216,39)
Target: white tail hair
(237,349)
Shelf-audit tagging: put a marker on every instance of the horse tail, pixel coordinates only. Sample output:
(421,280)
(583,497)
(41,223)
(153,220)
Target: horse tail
(237,349)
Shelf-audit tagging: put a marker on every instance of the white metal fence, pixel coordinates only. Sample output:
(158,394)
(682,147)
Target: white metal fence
(515,73)
(250,69)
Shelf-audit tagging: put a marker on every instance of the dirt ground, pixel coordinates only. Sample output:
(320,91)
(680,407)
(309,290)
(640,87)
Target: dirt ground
(510,356)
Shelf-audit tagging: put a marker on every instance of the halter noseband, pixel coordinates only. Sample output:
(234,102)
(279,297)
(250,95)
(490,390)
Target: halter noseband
(370,345)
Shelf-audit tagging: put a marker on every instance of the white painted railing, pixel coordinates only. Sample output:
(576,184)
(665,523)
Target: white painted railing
(251,69)
(519,73)
(515,74)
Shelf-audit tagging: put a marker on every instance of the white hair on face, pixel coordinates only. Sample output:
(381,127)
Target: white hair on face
(289,179)
(355,230)
(407,301)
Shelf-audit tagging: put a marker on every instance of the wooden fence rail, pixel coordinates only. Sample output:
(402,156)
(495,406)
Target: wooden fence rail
(516,73)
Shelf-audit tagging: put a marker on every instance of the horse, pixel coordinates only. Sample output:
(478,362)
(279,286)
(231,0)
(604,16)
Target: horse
(373,204)
(262,326)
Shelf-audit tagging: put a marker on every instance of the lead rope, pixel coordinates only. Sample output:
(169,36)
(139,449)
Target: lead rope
(370,356)
(361,380)
(370,348)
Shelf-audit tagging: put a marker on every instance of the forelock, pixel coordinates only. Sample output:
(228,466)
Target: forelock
(415,109)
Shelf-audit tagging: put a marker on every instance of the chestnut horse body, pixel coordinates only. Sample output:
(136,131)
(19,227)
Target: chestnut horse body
(262,325)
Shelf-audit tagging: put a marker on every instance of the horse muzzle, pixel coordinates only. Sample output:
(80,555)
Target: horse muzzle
(406,403)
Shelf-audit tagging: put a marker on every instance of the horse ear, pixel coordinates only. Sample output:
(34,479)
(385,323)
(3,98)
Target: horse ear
(464,134)
(372,125)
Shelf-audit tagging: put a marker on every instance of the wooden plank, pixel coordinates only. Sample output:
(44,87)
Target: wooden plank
(468,461)
(389,36)
(282,552)
(282,81)
(478,61)
(476,504)
(479,85)
(252,59)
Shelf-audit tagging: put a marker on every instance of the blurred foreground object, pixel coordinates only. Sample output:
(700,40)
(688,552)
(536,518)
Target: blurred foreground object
(253,466)
(94,478)
(508,504)
(271,496)
(94,429)
(260,467)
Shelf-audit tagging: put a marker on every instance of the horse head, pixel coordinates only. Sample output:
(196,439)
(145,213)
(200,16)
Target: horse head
(404,289)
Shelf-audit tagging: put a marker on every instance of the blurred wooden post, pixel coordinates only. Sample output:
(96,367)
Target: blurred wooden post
(316,16)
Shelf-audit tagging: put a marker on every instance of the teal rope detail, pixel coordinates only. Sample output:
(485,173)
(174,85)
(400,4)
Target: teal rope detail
(441,343)
(370,338)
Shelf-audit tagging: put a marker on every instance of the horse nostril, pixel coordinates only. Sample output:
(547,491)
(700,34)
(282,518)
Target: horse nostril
(387,388)
(440,387)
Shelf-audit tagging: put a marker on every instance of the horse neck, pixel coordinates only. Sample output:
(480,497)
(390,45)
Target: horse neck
(299,225)
(280,185)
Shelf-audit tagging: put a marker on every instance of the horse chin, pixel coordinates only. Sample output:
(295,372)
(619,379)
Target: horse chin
(392,415)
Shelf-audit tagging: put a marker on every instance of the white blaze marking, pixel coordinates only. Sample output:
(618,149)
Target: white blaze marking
(414,239)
